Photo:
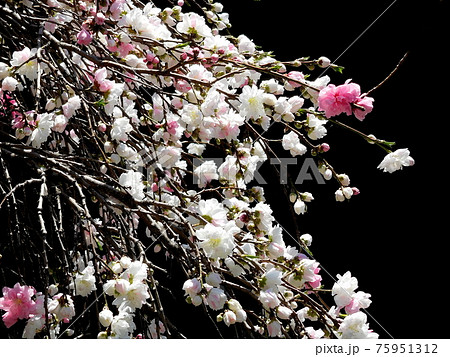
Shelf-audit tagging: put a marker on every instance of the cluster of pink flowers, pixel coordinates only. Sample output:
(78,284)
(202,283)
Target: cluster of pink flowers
(19,302)
(346,98)
(9,105)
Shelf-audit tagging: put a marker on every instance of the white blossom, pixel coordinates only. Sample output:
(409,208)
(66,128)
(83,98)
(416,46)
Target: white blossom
(192,286)
(344,288)
(72,105)
(122,325)
(269,299)
(251,100)
(246,45)
(356,326)
(271,279)
(396,160)
(217,242)
(292,143)
(85,281)
(212,211)
(62,306)
(120,129)
(195,24)
(26,67)
(40,134)
(132,182)
(206,172)
(213,279)
(9,84)
(4,70)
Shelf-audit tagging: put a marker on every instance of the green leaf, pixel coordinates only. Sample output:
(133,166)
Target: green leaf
(336,68)
(249,256)
(388,143)
(181,45)
(305,248)
(101,103)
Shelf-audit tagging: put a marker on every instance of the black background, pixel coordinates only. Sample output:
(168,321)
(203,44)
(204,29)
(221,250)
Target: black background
(393,236)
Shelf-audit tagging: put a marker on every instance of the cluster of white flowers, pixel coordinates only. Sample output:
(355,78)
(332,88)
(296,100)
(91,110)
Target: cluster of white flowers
(354,324)
(85,281)
(130,290)
(61,310)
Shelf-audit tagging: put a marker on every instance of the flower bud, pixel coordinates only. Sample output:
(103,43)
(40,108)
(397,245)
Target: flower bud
(103,335)
(52,289)
(218,7)
(105,317)
(196,300)
(323,62)
(306,196)
(299,207)
(371,139)
(348,192)
(108,146)
(234,305)
(115,158)
(157,248)
(9,84)
(241,315)
(344,179)
(213,279)
(229,317)
(293,197)
(125,262)
(324,147)
(284,312)
(306,239)
(116,267)
(102,127)
(192,286)
(339,195)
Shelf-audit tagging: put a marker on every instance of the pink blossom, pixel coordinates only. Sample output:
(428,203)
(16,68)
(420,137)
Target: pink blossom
(364,102)
(116,8)
(20,57)
(103,84)
(216,298)
(125,48)
(192,286)
(336,100)
(316,280)
(100,18)
(183,86)
(172,127)
(84,37)
(298,76)
(18,303)
(345,98)
(111,44)
(359,300)
(18,121)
